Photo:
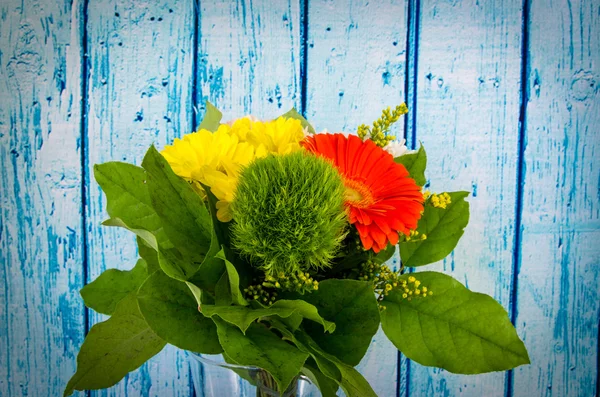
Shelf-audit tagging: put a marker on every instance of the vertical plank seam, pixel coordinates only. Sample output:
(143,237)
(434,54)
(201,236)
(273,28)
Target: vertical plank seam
(303,56)
(195,122)
(83,146)
(410,133)
(524,98)
(83,142)
(410,81)
(195,40)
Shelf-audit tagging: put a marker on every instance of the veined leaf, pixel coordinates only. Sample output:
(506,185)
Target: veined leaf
(128,201)
(184,217)
(262,348)
(113,348)
(326,385)
(461,331)
(351,381)
(212,118)
(293,114)
(148,254)
(227,290)
(103,294)
(415,164)
(243,316)
(171,310)
(221,231)
(351,305)
(443,227)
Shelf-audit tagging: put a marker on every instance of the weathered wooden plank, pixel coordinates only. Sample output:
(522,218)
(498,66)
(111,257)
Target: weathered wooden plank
(139,93)
(558,306)
(355,68)
(248,63)
(249,57)
(467,117)
(41,268)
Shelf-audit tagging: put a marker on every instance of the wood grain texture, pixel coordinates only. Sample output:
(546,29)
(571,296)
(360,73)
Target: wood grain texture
(248,62)
(153,64)
(558,297)
(355,68)
(139,93)
(249,57)
(41,268)
(467,116)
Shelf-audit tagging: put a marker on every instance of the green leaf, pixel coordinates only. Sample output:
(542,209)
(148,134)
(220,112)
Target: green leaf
(113,348)
(128,201)
(293,114)
(103,294)
(385,255)
(148,254)
(351,305)
(172,312)
(184,217)
(351,381)
(415,164)
(196,292)
(326,385)
(212,118)
(262,348)
(461,331)
(243,316)
(307,345)
(443,227)
(221,230)
(306,310)
(227,290)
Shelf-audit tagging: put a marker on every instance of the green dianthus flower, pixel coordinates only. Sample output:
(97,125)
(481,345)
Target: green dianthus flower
(289,213)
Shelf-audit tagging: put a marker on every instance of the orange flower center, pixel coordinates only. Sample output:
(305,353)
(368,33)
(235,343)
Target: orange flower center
(357,194)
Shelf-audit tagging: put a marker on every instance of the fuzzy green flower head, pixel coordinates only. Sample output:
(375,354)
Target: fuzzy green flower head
(289,213)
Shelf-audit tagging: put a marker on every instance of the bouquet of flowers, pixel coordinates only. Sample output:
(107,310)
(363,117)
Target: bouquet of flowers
(267,242)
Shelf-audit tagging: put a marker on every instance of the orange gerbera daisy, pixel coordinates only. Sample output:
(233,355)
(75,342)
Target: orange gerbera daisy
(381,198)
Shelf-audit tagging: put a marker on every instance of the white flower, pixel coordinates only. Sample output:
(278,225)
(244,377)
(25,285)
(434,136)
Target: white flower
(396,148)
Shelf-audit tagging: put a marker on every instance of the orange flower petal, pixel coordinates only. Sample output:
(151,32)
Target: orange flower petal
(382,199)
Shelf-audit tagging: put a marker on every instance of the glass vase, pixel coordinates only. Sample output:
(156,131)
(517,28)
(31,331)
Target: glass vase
(213,377)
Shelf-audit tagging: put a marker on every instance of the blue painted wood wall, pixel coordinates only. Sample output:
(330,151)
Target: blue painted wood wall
(503,93)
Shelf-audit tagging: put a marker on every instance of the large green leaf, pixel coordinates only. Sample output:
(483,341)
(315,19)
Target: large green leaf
(227,290)
(184,217)
(212,118)
(221,231)
(352,306)
(113,348)
(262,348)
(293,114)
(455,329)
(415,164)
(351,381)
(128,201)
(326,385)
(103,294)
(171,310)
(243,316)
(148,254)
(443,228)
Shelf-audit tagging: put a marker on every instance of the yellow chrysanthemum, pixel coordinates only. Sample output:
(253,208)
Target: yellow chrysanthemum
(280,136)
(215,159)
